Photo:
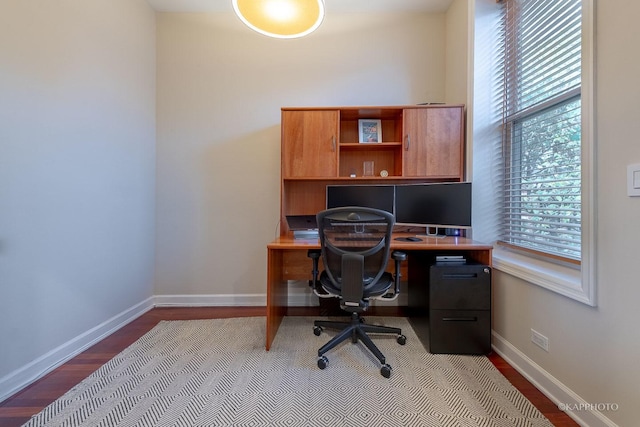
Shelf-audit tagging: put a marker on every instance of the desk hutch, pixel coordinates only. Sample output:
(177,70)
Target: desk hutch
(320,147)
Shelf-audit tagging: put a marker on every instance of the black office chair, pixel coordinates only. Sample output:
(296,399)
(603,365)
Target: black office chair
(355,244)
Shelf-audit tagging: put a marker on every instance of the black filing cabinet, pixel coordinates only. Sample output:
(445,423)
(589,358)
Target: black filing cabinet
(459,308)
(458,318)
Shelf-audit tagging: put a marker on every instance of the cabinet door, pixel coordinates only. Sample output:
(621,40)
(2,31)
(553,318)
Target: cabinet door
(309,144)
(433,142)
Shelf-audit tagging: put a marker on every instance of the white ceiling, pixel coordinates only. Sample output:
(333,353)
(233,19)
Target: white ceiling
(331,5)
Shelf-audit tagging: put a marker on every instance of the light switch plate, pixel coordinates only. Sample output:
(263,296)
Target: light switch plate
(633,180)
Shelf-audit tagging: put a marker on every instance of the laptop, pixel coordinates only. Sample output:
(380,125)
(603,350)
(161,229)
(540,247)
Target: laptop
(302,222)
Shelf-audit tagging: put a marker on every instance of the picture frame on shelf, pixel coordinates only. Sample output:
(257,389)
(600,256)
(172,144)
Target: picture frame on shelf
(369,130)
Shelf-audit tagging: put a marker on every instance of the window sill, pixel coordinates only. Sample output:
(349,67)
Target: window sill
(561,279)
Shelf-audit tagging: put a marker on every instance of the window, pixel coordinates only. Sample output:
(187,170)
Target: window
(542,127)
(533,148)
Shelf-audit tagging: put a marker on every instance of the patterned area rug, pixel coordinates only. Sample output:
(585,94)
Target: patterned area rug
(217,373)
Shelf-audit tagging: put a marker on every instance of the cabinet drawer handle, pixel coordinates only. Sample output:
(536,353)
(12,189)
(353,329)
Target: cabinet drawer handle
(460,276)
(406,147)
(460,319)
(333,143)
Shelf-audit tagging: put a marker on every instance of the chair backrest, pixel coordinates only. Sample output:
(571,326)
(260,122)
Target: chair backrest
(355,244)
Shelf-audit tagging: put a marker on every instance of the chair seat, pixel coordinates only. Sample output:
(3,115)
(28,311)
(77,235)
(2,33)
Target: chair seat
(380,288)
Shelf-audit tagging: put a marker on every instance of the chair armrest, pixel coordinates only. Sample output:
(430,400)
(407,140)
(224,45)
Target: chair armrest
(398,257)
(314,283)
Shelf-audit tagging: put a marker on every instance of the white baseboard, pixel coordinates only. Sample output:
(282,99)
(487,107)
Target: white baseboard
(209,300)
(31,372)
(22,377)
(584,413)
(296,299)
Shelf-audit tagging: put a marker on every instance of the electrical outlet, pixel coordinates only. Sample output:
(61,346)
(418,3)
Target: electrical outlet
(540,340)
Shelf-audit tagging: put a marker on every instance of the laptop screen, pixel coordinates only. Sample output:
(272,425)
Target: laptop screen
(302,222)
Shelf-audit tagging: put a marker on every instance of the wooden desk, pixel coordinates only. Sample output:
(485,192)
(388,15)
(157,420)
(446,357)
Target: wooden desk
(287,260)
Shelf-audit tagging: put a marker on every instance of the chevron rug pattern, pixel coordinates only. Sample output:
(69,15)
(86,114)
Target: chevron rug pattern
(217,373)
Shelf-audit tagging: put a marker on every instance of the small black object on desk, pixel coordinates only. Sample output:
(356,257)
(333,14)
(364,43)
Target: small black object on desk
(408,239)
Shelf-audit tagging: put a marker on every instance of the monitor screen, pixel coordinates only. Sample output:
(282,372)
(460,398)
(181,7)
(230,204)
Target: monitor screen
(371,196)
(446,205)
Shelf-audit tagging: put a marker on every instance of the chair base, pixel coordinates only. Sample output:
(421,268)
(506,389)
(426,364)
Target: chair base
(356,330)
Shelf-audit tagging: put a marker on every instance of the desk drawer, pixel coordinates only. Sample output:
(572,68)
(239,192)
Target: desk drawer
(460,287)
(460,331)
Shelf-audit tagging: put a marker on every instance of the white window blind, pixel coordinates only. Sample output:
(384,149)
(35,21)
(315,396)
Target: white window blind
(541,110)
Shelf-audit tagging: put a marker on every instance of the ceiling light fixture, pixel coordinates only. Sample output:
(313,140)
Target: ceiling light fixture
(284,19)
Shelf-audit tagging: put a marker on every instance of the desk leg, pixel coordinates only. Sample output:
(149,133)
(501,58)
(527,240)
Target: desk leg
(277,293)
(418,293)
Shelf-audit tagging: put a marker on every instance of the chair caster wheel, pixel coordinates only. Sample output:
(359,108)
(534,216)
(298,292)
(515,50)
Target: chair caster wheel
(402,340)
(317,330)
(322,362)
(385,370)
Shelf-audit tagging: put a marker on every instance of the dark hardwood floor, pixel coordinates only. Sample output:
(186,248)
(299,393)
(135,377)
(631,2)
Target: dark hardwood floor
(17,410)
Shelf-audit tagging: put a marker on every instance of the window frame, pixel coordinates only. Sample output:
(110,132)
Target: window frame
(576,282)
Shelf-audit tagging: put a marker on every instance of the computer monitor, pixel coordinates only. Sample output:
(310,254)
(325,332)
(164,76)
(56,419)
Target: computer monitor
(371,196)
(435,205)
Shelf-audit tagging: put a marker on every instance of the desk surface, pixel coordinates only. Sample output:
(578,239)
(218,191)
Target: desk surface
(427,243)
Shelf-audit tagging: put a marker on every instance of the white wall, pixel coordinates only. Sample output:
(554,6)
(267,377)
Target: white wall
(457,52)
(220,90)
(77,162)
(593,350)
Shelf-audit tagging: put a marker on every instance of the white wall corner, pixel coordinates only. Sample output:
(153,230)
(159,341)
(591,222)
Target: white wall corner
(32,371)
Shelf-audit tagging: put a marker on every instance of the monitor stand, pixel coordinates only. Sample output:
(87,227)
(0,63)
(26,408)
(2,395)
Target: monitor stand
(439,232)
(433,232)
